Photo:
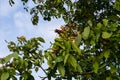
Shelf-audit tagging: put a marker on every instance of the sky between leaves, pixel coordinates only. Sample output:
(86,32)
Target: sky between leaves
(15,21)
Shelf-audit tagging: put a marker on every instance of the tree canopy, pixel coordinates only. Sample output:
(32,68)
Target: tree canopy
(88,46)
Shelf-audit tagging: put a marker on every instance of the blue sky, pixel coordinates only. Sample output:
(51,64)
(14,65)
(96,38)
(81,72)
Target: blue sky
(14,22)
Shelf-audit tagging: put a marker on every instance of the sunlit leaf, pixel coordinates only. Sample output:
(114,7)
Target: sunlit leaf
(113,69)
(86,33)
(99,25)
(79,69)
(7,58)
(76,48)
(49,62)
(68,46)
(117,5)
(58,39)
(105,22)
(78,40)
(66,58)
(96,66)
(106,35)
(72,61)
(61,69)
(90,23)
(59,1)
(4,76)
(59,59)
(25,76)
(15,55)
(97,37)
(58,44)
(108,78)
(106,53)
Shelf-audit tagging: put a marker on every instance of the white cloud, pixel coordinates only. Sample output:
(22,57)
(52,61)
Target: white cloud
(45,29)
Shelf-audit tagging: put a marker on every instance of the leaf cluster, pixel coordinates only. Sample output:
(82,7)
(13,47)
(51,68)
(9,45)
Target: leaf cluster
(26,56)
(87,47)
(86,53)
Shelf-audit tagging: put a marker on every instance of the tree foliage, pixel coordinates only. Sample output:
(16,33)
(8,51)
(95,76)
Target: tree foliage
(87,48)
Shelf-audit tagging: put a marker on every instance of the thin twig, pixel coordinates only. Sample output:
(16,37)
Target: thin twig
(43,69)
(43,78)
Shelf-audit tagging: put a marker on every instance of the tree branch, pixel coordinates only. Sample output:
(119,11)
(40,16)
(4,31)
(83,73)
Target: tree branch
(43,69)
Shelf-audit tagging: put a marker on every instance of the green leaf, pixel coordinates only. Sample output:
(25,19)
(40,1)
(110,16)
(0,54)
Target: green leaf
(78,40)
(105,22)
(72,61)
(106,53)
(97,37)
(106,35)
(113,17)
(4,76)
(113,26)
(35,19)
(67,46)
(76,48)
(86,33)
(79,69)
(36,69)
(108,78)
(25,76)
(59,1)
(15,55)
(113,69)
(36,62)
(90,22)
(58,39)
(59,45)
(49,62)
(14,78)
(30,77)
(117,5)
(99,25)
(7,58)
(103,65)
(66,58)
(95,66)
(59,59)
(61,70)
(41,39)
(1,60)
